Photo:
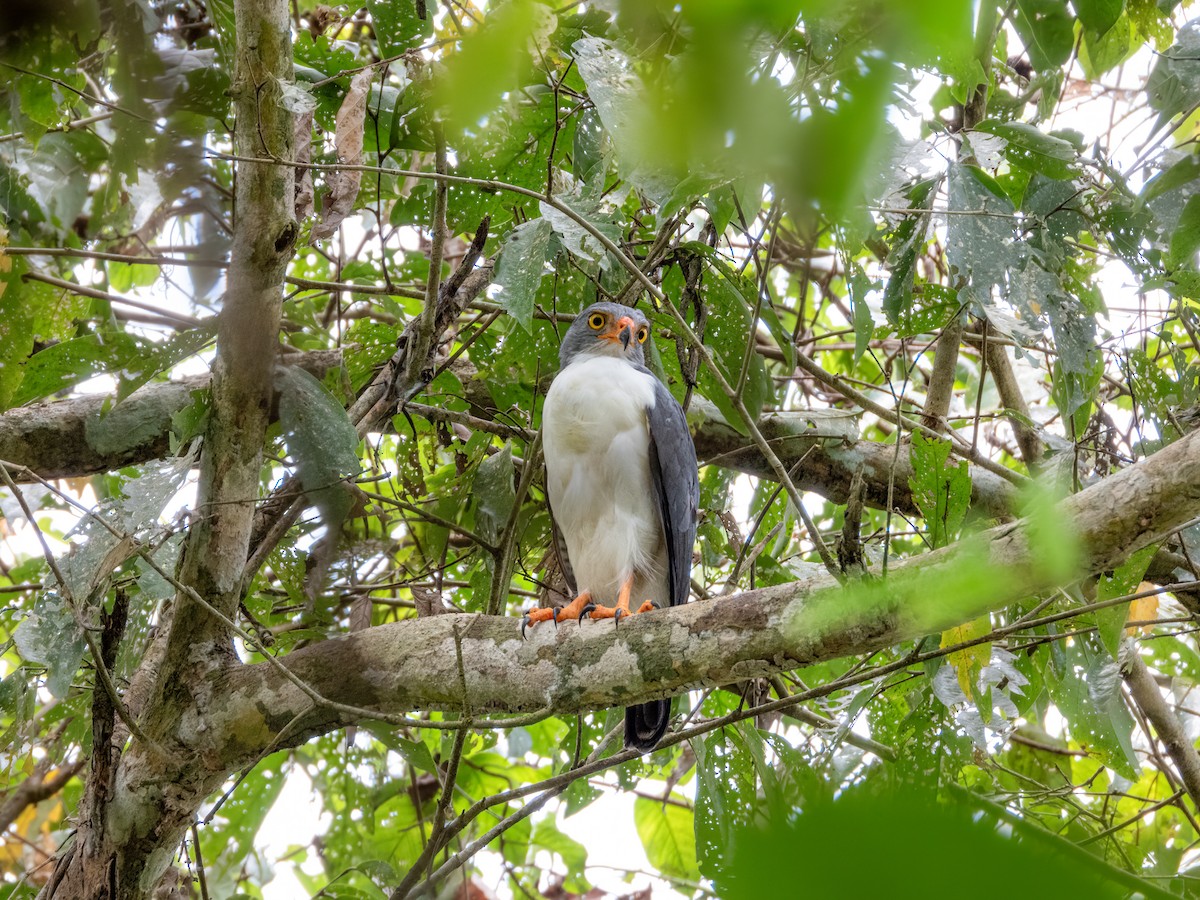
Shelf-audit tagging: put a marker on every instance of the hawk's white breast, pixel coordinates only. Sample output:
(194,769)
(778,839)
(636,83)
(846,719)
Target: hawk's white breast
(596,440)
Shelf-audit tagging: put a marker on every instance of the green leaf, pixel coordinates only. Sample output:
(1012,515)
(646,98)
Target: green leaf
(906,244)
(1185,239)
(228,842)
(1100,53)
(941,492)
(50,635)
(546,836)
(979,237)
(163,356)
(1121,581)
(858,286)
(668,834)
(64,365)
(726,798)
(493,60)
(587,155)
(1174,83)
(1033,149)
(417,754)
(398,26)
(891,827)
(1048,31)
(494,495)
(731,301)
(1084,685)
(16,328)
(1098,16)
(521,266)
(321,440)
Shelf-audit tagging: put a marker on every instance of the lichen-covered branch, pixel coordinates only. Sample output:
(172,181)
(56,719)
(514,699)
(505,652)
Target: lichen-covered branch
(76,437)
(414,664)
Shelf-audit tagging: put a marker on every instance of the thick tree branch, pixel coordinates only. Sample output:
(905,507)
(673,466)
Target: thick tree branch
(413,664)
(70,438)
(74,437)
(1171,732)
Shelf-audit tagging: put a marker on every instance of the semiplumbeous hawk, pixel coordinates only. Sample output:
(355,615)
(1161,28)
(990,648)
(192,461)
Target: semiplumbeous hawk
(622,484)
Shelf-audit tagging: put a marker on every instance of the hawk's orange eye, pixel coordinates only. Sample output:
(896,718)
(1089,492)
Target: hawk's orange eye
(642,335)
(596,320)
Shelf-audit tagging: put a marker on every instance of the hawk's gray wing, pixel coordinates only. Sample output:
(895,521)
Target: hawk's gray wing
(676,486)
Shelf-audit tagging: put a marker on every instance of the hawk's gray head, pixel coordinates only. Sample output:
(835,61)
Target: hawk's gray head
(607,329)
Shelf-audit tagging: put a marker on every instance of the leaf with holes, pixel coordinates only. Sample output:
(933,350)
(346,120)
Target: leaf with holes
(320,439)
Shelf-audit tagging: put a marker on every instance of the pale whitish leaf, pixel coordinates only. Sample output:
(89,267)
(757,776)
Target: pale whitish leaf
(615,91)
(50,635)
(320,439)
(612,85)
(494,495)
(520,268)
(89,561)
(156,483)
(1174,83)
(979,231)
(588,155)
(988,149)
(348,140)
(577,239)
(296,98)
(150,583)
(302,140)
(10,507)
(947,688)
(519,743)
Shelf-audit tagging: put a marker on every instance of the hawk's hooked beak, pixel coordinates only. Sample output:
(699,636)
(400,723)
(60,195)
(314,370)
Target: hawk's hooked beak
(621,331)
(625,329)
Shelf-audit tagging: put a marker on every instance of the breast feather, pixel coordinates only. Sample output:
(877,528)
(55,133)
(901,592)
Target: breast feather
(596,438)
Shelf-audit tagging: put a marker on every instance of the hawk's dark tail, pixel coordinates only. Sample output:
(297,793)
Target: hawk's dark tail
(646,723)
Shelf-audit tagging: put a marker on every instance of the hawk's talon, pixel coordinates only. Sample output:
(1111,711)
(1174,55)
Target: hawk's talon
(535,614)
(587,609)
(617,613)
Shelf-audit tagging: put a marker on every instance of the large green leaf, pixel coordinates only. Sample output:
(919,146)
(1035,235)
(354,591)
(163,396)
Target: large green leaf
(726,799)
(521,266)
(941,491)
(1120,582)
(16,328)
(63,365)
(668,835)
(321,440)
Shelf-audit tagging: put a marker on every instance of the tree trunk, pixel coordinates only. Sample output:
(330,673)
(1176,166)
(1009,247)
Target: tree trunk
(130,826)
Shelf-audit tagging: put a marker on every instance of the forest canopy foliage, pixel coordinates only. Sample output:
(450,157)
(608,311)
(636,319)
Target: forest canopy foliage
(282,287)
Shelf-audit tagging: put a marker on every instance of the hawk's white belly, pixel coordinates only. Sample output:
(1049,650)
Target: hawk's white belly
(596,440)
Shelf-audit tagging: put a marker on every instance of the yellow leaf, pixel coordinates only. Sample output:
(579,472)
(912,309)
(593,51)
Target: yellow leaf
(969,661)
(1143,609)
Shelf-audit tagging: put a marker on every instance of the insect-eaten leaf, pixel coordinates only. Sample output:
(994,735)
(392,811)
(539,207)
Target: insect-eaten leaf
(494,495)
(520,268)
(941,492)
